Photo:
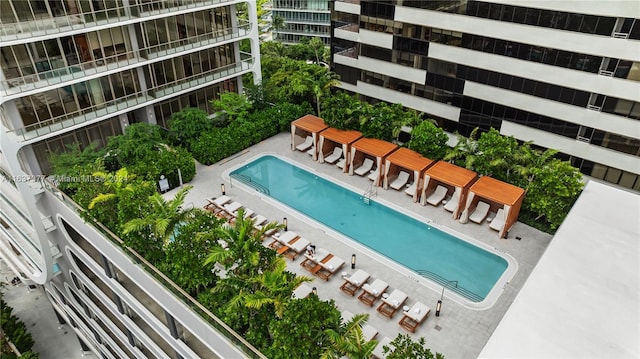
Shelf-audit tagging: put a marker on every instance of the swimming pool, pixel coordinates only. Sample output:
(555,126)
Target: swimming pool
(432,253)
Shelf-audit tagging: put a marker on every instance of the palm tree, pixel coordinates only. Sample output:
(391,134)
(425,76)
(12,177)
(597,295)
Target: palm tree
(272,287)
(277,23)
(349,340)
(239,245)
(529,161)
(163,218)
(114,183)
(322,84)
(464,153)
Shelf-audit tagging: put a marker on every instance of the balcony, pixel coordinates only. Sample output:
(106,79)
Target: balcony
(351,52)
(118,59)
(134,100)
(347,32)
(42,24)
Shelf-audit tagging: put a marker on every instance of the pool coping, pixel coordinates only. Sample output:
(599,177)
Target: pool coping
(490,299)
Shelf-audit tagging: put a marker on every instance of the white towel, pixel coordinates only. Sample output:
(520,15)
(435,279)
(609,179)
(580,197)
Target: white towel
(375,292)
(330,267)
(396,303)
(356,282)
(417,310)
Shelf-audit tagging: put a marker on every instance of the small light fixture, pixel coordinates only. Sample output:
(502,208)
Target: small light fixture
(353,261)
(314,290)
(286,225)
(222,189)
(438,307)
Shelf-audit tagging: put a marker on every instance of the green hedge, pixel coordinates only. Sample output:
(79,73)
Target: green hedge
(16,332)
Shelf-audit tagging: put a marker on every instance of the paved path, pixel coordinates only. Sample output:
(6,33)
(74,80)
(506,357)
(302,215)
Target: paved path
(52,340)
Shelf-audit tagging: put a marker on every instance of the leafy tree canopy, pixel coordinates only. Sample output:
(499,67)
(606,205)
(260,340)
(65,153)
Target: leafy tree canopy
(429,140)
(404,347)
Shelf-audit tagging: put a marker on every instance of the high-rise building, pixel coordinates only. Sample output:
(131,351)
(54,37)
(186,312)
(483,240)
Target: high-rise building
(302,18)
(78,71)
(564,74)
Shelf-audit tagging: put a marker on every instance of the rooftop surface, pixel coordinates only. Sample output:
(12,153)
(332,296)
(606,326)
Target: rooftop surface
(460,331)
(583,298)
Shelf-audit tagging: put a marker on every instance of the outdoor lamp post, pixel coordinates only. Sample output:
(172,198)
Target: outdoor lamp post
(353,261)
(286,225)
(222,189)
(439,304)
(314,290)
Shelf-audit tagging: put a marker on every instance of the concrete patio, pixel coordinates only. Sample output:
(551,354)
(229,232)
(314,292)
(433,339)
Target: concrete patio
(460,331)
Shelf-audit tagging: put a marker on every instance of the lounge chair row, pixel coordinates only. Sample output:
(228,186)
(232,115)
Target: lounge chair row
(225,207)
(391,303)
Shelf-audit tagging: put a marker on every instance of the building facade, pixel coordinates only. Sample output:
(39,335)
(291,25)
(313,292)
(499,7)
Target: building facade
(303,18)
(79,71)
(565,75)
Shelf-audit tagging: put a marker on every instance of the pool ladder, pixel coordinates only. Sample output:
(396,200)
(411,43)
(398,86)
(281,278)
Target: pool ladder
(370,192)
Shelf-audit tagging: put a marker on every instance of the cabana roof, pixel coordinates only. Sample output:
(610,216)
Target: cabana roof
(341,136)
(374,147)
(451,174)
(310,123)
(497,191)
(409,159)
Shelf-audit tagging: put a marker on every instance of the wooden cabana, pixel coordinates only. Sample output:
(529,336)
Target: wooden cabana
(409,160)
(504,198)
(456,179)
(308,125)
(331,138)
(378,149)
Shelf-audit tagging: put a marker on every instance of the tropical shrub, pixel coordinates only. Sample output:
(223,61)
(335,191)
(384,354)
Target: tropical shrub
(187,125)
(404,347)
(429,140)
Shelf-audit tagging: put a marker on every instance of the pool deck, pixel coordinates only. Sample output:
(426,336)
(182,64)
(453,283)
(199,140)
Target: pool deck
(460,331)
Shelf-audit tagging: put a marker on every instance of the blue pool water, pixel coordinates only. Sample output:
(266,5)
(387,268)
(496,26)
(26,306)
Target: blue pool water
(410,242)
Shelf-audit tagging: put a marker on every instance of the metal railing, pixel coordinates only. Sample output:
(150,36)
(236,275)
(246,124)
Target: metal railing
(62,74)
(126,102)
(447,284)
(160,277)
(250,182)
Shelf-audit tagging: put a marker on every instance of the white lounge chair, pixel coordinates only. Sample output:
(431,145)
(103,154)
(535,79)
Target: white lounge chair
(392,303)
(221,201)
(480,213)
(232,207)
(498,221)
(452,204)
(365,167)
(302,291)
(354,282)
(374,175)
(437,196)
(400,181)
(329,268)
(411,190)
(378,352)
(304,146)
(414,317)
(335,156)
(372,292)
(259,220)
(341,163)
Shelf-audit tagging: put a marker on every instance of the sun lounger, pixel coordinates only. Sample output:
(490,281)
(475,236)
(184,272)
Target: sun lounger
(437,196)
(295,247)
(354,282)
(302,291)
(221,201)
(259,220)
(414,317)
(341,163)
(364,168)
(498,221)
(281,239)
(304,146)
(311,151)
(311,261)
(329,268)
(215,205)
(378,351)
(374,175)
(391,304)
(372,292)
(232,207)
(400,181)
(452,203)
(411,190)
(480,213)
(368,331)
(248,213)
(335,156)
